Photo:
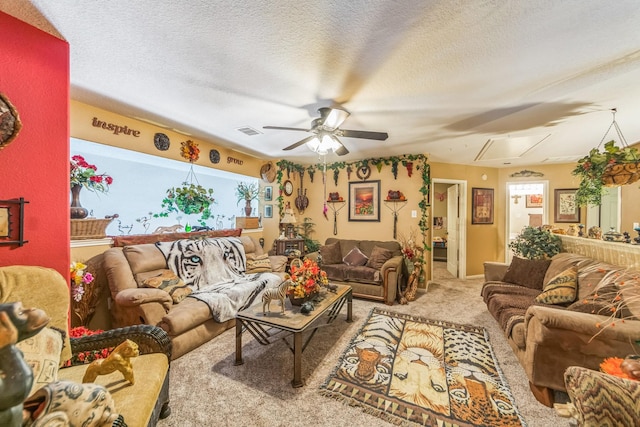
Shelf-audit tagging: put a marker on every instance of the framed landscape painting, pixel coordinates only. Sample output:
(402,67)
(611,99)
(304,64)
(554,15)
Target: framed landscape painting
(482,206)
(566,208)
(364,201)
(534,200)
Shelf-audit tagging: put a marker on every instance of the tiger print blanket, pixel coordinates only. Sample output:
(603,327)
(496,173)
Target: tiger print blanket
(214,269)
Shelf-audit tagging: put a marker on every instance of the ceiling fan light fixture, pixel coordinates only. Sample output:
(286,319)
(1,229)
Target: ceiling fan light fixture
(323,144)
(335,118)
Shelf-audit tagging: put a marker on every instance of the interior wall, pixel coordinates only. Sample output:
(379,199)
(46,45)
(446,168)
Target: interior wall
(439,209)
(34,76)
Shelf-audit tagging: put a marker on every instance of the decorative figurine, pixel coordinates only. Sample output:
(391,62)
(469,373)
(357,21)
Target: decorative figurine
(572,230)
(278,293)
(581,232)
(16,377)
(306,307)
(118,360)
(637,239)
(595,232)
(332,288)
(627,237)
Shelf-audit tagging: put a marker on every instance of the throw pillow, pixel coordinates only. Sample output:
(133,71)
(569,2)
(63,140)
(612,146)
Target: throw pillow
(258,264)
(170,283)
(378,257)
(527,272)
(42,353)
(601,301)
(561,289)
(355,258)
(331,253)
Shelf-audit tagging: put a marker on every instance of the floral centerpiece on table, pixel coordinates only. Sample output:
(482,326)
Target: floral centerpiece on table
(306,279)
(79,279)
(84,174)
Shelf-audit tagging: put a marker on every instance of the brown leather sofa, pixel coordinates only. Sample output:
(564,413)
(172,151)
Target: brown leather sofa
(548,338)
(378,278)
(188,323)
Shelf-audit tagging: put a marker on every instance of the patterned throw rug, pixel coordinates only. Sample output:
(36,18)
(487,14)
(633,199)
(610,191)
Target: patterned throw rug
(410,370)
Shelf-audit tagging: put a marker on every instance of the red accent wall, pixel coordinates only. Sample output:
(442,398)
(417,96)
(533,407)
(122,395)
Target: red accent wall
(34,76)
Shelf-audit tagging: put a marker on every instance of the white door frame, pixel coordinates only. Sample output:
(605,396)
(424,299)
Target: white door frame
(462,224)
(545,211)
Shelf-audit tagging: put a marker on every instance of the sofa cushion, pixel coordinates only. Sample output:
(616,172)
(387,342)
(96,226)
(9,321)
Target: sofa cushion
(362,274)
(561,289)
(42,354)
(509,308)
(258,263)
(331,253)
(379,256)
(367,246)
(166,280)
(529,273)
(336,271)
(355,258)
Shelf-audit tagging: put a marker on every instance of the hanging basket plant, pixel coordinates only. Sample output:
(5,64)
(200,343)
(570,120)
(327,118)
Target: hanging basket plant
(614,166)
(189,199)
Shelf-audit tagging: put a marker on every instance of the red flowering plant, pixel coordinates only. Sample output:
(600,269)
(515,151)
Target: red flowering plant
(189,150)
(306,279)
(87,356)
(85,174)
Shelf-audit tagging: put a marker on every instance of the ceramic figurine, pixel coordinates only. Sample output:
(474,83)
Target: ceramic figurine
(278,293)
(306,307)
(594,232)
(581,232)
(118,360)
(572,230)
(332,288)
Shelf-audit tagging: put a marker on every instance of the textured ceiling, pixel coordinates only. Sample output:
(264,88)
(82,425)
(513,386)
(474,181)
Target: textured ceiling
(442,77)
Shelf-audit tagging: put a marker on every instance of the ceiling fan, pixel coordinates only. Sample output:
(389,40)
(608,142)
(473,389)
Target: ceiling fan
(325,131)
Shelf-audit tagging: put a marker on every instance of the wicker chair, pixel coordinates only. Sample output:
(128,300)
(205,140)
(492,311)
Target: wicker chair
(140,404)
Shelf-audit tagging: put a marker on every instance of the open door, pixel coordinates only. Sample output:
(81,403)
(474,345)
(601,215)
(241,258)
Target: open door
(453,213)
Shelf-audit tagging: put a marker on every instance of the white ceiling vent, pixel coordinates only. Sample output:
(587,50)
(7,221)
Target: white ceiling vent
(509,148)
(248,130)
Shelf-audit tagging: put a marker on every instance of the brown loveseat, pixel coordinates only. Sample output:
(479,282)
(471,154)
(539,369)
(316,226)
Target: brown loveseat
(375,270)
(559,330)
(189,323)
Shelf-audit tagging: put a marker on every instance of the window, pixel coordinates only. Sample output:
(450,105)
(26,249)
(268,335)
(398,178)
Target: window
(140,182)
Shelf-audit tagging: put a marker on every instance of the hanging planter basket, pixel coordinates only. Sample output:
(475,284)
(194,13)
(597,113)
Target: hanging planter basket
(621,174)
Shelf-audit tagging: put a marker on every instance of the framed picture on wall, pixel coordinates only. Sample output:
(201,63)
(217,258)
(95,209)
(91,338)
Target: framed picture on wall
(268,211)
(566,208)
(268,194)
(534,200)
(482,206)
(364,201)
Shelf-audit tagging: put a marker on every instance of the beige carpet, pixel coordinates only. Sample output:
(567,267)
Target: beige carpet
(208,390)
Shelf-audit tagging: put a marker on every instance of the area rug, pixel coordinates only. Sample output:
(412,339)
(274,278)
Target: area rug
(410,370)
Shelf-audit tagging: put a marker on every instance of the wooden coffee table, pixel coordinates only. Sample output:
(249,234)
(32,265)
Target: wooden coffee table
(268,328)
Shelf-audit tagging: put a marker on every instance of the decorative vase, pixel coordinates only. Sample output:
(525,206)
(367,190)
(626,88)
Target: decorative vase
(77,211)
(299,301)
(247,208)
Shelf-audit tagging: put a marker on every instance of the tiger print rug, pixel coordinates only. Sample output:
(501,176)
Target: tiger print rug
(410,370)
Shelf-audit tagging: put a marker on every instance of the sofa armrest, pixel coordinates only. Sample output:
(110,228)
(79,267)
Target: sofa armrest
(150,339)
(138,296)
(494,271)
(393,277)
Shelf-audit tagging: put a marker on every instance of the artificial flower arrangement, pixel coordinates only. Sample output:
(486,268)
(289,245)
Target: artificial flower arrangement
(189,150)
(85,174)
(79,279)
(87,356)
(306,279)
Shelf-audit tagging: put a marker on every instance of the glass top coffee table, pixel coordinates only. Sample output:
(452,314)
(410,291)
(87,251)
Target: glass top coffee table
(268,328)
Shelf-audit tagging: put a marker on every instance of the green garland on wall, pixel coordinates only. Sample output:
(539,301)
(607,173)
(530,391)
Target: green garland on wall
(379,163)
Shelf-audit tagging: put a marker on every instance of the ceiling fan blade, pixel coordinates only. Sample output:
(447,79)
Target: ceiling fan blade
(284,128)
(342,150)
(299,143)
(332,118)
(380,136)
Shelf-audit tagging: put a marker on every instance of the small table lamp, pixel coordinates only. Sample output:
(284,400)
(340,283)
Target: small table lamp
(288,231)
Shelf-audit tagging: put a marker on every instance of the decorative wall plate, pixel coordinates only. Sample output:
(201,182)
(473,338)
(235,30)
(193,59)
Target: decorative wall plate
(161,141)
(363,172)
(214,156)
(287,188)
(10,124)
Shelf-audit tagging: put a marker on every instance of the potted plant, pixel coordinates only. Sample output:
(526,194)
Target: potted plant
(247,191)
(189,199)
(536,243)
(611,167)
(305,230)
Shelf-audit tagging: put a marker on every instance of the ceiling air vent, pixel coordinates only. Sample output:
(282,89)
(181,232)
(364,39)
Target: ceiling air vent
(509,148)
(247,130)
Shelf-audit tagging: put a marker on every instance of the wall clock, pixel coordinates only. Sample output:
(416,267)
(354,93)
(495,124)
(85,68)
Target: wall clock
(214,156)
(287,188)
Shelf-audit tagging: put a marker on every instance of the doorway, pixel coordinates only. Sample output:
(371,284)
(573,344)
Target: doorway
(527,204)
(448,229)
(607,215)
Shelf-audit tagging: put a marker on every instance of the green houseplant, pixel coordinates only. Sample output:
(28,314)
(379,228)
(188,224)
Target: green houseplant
(189,199)
(305,230)
(536,243)
(247,191)
(610,167)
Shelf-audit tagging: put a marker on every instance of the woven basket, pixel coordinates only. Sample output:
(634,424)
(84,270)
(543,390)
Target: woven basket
(621,174)
(89,228)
